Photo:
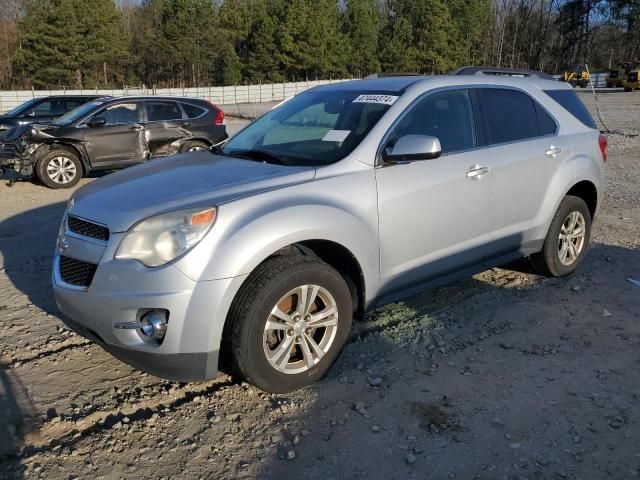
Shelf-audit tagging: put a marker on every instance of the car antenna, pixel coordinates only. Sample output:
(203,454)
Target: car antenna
(595,97)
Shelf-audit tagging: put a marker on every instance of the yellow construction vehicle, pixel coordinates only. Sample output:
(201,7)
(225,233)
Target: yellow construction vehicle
(615,77)
(578,76)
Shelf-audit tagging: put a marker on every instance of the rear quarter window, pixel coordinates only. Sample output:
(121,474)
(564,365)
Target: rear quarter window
(570,101)
(192,111)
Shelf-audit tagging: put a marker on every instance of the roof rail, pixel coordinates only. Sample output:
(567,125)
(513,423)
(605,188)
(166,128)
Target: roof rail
(502,71)
(387,75)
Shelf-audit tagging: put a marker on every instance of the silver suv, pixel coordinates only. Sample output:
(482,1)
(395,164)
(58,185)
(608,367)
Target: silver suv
(343,198)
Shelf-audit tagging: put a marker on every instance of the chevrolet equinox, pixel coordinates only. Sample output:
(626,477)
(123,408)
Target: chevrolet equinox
(258,255)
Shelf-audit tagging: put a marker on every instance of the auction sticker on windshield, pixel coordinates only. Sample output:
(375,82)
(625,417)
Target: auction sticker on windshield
(383,99)
(336,135)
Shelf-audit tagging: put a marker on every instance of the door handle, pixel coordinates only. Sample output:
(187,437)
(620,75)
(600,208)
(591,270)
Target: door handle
(185,124)
(136,127)
(476,172)
(552,151)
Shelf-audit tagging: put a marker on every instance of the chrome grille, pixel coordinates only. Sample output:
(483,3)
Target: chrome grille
(87,229)
(76,272)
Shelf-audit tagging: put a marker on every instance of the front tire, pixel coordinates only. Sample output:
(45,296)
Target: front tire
(288,323)
(60,168)
(194,146)
(567,239)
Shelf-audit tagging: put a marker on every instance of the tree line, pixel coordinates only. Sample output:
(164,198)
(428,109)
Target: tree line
(170,43)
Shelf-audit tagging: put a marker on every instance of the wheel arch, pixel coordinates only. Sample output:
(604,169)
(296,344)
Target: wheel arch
(194,139)
(588,192)
(338,257)
(45,148)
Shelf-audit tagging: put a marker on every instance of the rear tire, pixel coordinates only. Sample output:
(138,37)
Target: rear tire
(59,168)
(283,353)
(567,239)
(193,146)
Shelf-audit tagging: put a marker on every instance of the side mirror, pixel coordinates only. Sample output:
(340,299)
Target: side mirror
(97,122)
(30,113)
(413,147)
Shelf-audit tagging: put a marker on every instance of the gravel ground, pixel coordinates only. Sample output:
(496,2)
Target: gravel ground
(502,375)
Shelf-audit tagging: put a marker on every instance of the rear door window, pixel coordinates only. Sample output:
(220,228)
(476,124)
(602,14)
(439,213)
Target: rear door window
(448,116)
(509,115)
(159,111)
(192,111)
(570,101)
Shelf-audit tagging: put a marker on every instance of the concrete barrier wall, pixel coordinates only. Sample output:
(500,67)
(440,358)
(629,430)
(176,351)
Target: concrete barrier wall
(230,95)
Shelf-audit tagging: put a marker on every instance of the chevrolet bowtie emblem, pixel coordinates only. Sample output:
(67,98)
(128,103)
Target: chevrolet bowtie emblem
(63,244)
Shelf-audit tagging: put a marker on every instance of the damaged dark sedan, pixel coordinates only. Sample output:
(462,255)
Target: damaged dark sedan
(108,134)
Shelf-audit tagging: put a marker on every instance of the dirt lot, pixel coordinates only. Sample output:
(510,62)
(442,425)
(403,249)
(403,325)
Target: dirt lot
(503,375)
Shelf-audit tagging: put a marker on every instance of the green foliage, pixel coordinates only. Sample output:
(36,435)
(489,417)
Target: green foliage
(73,43)
(361,23)
(88,43)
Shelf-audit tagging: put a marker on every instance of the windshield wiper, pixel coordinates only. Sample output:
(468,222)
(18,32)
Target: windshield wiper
(259,155)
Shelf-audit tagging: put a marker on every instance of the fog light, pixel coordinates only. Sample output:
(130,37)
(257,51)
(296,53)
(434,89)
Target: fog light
(154,324)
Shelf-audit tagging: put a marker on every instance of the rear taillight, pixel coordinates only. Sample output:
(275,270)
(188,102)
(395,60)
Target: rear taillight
(219,120)
(602,143)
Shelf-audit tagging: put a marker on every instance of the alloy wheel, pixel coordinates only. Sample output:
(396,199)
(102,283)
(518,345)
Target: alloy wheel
(301,329)
(572,238)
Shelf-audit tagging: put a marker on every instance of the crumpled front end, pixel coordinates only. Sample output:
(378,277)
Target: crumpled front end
(16,156)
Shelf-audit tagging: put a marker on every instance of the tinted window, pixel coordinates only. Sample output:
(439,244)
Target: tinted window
(570,101)
(447,116)
(545,122)
(159,111)
(192,111)
(121,113)
(508,115)
(71,104)
(49,108)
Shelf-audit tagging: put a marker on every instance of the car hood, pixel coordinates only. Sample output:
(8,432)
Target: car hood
(41,131)
(121,199)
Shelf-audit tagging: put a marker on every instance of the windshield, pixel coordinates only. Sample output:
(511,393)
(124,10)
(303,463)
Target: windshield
(21,108)
(313,128)
(77,113)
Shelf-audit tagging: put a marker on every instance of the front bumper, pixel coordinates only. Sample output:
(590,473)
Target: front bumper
(178,367)
(123,290)
(10,161)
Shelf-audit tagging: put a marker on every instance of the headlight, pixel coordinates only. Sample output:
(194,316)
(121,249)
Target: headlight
(160,239)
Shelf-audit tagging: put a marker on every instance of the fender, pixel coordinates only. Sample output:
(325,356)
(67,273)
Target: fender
(247,240)
(583,170)
(242,244)
(51,144)
(338,208)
